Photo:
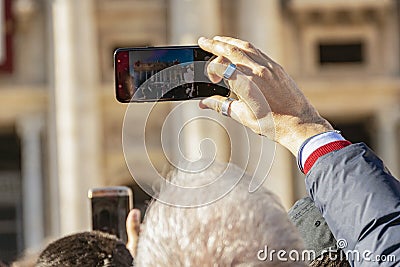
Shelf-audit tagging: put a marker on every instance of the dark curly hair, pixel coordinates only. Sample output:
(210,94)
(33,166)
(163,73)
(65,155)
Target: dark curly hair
(94,249)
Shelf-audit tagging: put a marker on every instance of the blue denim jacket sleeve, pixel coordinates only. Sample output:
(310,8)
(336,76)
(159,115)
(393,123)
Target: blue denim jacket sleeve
(360,201)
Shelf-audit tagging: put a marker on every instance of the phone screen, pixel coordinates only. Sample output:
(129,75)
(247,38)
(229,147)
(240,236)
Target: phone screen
(163,74)
(110,209)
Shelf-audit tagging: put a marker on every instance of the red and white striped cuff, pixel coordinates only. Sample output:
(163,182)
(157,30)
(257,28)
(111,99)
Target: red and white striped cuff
(317,146)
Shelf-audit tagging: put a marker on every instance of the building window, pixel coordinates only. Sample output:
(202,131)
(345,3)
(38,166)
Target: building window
(11,236)
(341,53)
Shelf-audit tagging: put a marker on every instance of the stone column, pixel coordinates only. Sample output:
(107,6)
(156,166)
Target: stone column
(387,137)
(186,26)
(74,113)
(190,19)
(30,129)
(260,23)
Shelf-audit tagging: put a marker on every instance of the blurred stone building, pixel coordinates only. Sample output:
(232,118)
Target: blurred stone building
(60,125)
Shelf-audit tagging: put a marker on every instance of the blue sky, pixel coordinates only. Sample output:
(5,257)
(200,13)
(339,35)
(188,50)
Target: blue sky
(162,55)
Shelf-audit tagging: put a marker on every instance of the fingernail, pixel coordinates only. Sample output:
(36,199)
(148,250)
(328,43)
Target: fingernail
(136,215)
(202,105)
(207,102)
(202,40)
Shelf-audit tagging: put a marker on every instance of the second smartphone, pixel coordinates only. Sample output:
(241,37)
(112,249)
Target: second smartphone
(110,208)
(149,74)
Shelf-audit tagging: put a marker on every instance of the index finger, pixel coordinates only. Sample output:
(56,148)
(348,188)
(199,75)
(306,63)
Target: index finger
(237,42)
(233,53)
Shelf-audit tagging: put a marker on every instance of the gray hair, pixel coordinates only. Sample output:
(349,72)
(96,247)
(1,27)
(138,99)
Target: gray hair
(227,232)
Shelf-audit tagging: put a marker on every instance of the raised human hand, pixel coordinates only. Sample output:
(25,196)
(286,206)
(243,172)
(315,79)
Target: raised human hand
(268,100)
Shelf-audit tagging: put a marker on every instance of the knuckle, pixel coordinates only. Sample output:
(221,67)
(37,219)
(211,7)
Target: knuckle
(261,71)
(211,67)
(248,45)
(255,126)
(233,50)
(276,66)
(217,107)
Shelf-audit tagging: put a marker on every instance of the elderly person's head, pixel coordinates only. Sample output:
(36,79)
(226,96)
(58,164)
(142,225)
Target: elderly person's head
(229,231)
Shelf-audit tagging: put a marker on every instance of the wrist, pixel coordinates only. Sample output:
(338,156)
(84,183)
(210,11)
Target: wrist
(297,134)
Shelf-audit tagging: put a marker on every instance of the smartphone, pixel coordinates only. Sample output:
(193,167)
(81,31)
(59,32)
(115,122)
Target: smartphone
(110,207)
(172,73)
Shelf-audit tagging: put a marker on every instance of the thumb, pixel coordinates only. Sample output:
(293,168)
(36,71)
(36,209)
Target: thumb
(133,230)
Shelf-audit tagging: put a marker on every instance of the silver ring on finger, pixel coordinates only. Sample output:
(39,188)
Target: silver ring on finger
(226,105)
(229,71)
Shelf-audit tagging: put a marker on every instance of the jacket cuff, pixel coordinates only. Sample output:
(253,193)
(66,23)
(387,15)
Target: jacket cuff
(317,146)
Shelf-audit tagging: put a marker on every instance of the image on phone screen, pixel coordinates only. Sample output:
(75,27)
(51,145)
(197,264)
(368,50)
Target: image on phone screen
(160,74)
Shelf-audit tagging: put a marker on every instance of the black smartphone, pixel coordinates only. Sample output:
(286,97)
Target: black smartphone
(172,73)
(110,207)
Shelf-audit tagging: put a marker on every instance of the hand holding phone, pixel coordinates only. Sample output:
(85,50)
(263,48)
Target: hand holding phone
(149,74)
(110,208)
